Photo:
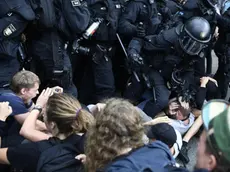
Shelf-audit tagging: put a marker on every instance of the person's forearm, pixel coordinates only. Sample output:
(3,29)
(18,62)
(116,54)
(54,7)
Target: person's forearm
(30,121)
(40,126)
(200,96)
(29,125)
(32,127)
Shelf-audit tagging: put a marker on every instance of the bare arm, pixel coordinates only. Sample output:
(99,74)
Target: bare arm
(40,125)
(31,125)
(3,156)
(29,128)
(193,130)
(22,117)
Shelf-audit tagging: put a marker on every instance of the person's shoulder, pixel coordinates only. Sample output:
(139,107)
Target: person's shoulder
(16,102)
(10,97)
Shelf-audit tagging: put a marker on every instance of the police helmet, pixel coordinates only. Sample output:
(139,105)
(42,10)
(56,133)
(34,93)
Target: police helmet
(195,35)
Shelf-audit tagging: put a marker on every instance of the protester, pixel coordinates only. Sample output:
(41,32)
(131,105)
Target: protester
(114,142)
(213,152)
(63,117)
(68,105)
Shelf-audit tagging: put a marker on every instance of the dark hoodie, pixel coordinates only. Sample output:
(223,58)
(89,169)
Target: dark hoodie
(152,157)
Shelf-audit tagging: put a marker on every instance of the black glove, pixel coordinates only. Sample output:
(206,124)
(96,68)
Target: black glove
(166,13)
(140,31)
(211,16)
(136,62)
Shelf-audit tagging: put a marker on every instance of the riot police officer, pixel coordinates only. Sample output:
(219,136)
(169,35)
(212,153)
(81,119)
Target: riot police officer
(14,17)
(222,48)
(144,11)
(57,23)
(181,47)
(98,81)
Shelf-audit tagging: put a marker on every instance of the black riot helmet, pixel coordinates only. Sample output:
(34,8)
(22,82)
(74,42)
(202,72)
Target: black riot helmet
(195,35)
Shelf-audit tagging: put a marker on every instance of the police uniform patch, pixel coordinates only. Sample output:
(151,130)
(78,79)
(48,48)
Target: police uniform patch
(76,3)
(9,30)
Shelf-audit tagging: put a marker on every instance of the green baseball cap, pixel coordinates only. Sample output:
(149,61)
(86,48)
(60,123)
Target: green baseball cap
(216,119)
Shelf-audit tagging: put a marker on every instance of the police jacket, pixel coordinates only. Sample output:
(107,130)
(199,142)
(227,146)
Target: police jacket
(67,17)
(160,45)
(14,17)
(109,11)
(137,11)
(163,52)
(223,23)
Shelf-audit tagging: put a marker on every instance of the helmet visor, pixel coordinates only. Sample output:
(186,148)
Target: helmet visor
(191,46)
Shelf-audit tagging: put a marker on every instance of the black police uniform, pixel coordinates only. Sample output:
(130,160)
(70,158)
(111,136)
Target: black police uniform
(137,11)
(98,81)
(14,17)
(47,44)
(172,48)
(222,49)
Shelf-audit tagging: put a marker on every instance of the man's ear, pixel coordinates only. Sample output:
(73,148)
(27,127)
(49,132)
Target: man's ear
(52,125)
(23,91)
(212,163)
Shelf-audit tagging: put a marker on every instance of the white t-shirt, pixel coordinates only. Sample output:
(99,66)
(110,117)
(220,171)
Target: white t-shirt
(177,146)
(181,126)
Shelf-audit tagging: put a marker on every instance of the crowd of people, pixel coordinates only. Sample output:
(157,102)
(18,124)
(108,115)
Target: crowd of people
(113,85)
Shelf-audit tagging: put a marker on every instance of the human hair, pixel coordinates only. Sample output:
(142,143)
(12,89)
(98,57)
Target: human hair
(68,114)
(185,112)
(23,79)
(221,166)
(118,126)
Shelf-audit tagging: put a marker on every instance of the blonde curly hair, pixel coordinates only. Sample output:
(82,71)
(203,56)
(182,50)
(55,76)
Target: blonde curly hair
(118,126)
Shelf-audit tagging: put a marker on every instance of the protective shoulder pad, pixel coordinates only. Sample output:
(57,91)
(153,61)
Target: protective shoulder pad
(171,35)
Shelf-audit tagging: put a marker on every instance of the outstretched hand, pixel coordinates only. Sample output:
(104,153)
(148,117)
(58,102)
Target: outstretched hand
(5,110)
(44,96)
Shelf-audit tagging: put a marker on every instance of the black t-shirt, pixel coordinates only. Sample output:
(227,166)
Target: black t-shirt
(25,156)
(19,107)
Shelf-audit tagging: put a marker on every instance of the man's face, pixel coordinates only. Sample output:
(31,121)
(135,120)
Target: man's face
(30,93)
(203,157)
(179,113)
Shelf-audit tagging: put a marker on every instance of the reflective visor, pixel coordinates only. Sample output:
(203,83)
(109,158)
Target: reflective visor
(191,46)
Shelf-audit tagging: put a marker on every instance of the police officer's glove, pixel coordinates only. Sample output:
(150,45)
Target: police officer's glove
(136,62)
(211,16)
(140,32)
(166,13)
